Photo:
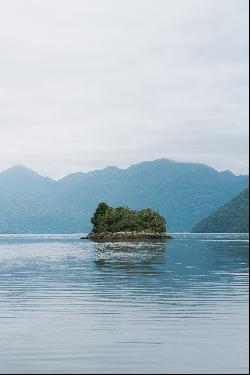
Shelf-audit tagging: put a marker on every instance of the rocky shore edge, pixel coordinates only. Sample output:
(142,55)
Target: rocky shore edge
(126,236)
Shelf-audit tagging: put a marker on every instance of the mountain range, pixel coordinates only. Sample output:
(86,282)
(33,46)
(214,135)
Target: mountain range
(184,193)
(233,217)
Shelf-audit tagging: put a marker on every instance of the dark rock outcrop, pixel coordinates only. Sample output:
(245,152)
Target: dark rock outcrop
(127,236)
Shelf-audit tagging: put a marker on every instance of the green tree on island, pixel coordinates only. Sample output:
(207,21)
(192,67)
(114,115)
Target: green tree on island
(122,219)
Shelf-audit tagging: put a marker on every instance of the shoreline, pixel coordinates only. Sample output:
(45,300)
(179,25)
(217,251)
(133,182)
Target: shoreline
(134,236)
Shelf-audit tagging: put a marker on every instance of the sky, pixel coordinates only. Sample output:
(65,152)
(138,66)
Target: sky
(89,83)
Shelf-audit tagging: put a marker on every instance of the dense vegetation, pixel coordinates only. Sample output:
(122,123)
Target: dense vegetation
(122,219)
(184,193)
(233,217)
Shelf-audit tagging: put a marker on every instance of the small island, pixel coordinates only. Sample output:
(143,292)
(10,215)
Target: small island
(122,223)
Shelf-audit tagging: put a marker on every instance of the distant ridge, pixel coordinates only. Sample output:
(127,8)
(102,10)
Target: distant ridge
(184,193)
(233,217)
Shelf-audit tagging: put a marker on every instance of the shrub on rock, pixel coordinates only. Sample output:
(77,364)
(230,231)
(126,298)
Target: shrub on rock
(122,219)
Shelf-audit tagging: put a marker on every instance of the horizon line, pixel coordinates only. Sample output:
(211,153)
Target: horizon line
(119,168)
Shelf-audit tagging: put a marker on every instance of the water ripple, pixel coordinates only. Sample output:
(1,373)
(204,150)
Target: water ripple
(71,306)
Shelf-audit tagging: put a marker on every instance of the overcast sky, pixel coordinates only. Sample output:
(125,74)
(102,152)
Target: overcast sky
(90,83)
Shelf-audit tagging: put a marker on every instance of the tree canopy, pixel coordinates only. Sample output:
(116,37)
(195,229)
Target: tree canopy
(123,219)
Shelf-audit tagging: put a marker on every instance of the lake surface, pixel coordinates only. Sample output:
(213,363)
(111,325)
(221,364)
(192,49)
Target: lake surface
(71,306)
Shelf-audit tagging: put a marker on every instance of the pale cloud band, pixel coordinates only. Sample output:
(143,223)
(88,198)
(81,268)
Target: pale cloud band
(90,83)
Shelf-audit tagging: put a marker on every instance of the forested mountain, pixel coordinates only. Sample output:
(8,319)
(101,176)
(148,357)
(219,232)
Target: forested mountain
(233,217)
(184,193)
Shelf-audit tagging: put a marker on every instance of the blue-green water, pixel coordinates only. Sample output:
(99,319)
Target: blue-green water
(71,306)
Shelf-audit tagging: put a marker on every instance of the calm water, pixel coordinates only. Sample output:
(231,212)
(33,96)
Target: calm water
(70,306)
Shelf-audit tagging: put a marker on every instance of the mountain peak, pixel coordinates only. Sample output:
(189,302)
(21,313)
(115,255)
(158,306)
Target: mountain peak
(20,172)
(18,168)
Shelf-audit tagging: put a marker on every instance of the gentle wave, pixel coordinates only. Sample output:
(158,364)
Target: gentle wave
(72,306)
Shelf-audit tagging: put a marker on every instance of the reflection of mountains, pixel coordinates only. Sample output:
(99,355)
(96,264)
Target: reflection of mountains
(158,271)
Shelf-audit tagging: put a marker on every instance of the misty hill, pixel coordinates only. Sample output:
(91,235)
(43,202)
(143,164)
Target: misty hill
(184,193)
(233,217)
(21,180)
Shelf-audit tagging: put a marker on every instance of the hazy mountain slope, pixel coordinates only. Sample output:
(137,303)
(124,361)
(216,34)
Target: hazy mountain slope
(233,217)
(23,181)
(27,201)
(184,193)
(181,192)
